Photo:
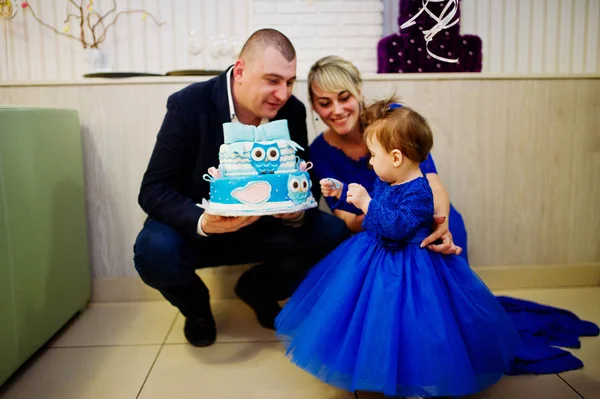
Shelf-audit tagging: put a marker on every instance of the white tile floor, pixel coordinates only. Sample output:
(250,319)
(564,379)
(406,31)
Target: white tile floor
(137,350)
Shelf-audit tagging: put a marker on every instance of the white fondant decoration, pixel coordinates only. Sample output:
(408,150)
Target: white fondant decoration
(204,204)
(267,208)
(253,193)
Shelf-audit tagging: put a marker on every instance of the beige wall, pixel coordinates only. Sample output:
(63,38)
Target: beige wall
(519,156)
(519,36)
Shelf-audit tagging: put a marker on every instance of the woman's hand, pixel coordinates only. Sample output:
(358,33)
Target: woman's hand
(447,246)
(356,225)
(353,221)
(331,187)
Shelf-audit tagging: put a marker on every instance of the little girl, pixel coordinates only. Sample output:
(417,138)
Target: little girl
(382,314)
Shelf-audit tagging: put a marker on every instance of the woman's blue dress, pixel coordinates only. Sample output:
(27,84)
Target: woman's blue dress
(381,314)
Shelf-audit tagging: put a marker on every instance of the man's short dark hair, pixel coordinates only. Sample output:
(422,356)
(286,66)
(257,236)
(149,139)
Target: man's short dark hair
(264,38)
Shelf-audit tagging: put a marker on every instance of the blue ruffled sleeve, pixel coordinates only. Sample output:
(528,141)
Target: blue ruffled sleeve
(396,212)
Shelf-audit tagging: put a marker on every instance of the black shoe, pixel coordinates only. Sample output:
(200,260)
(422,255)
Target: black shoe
(200,331)
(266,311)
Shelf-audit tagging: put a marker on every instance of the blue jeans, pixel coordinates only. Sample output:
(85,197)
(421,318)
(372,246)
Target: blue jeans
(166,259)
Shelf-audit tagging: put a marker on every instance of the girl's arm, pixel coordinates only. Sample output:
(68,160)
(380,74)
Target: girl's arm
(397,221)
(397,212)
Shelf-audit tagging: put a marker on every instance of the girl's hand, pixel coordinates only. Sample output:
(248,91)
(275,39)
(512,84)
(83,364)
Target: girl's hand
(358,196)
(331,187)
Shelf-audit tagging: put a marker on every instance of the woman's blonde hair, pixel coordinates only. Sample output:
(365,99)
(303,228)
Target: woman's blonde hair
(398,127)
(334,74)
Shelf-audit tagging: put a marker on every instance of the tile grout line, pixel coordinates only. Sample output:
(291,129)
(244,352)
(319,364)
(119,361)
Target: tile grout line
(226,342)
(100,346)
(158,354)
(119,301)
(570,386)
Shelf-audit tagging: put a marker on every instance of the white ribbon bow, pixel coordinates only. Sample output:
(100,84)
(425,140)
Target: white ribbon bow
(443,22)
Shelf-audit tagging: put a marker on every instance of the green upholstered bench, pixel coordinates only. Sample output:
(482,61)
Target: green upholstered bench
(44,262)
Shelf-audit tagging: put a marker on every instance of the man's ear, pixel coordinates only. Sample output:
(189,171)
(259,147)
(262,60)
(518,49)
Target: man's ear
(238,70)
(397,157)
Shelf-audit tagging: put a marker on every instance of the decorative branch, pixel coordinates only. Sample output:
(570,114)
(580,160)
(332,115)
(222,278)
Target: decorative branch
(51,27)
(83,42)
(113,9)
(71,15)
(75,4)
(89,23)
(103,36)
(85,16)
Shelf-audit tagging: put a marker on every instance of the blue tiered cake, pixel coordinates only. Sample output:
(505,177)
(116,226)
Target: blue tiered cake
(259,173)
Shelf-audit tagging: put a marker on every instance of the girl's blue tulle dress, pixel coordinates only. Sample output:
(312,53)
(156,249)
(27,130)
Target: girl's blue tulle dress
(381,314)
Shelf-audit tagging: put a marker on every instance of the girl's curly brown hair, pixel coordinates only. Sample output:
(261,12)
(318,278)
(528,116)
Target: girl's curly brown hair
(399,128)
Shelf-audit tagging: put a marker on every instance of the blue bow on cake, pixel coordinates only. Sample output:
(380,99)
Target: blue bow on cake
(236,134)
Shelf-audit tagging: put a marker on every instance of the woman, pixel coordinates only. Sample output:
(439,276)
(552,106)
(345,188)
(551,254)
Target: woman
(334,88)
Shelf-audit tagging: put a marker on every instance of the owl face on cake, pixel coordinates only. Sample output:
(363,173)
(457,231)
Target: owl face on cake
(298,188)
(265,158)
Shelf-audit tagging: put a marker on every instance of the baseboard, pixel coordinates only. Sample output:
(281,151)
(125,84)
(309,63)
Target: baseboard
(540,276)
(221,280)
